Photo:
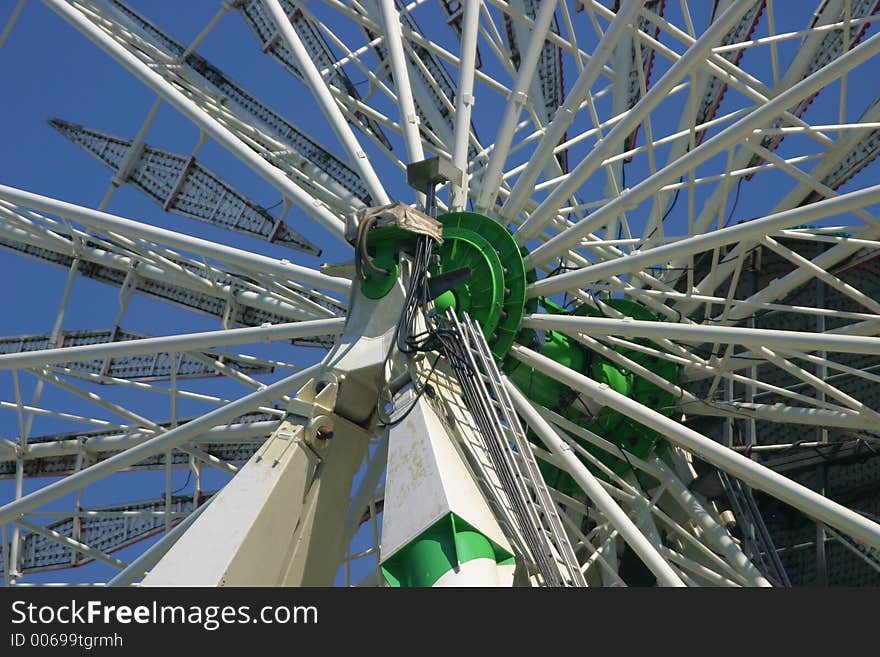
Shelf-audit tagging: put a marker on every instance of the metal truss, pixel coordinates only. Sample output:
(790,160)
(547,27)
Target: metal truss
(182,185)
(93,534)
(155,367)
(254,12)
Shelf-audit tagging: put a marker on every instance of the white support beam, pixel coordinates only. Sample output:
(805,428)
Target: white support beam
(169,281)
(464,102)
(803,415)
(366,490)
(162,443)
(831,280)
(811,503)
(724,140)
(617,517)
(173,343)
(604,148)
(252,432)
(280,520)
(315,209)
(318,86)
(831,161)
(71,543)
(229,255)
(712,531)
(513,107)
(409,118)
(565,115)
(701,333)
(748,231)
(151,556)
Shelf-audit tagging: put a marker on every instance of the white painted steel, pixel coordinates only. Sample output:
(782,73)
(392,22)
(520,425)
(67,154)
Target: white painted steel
(317,211)
(168,440)
(464,102)
(725,139)
(409,119)
(753,230)
(698,333)
(665,573)
(230,255)
(624,127)
(190,342)
(758,476)
(566,114)
(321,91)
(513,108)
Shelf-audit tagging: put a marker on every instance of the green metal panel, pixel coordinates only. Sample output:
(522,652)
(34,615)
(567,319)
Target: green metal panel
(442,547)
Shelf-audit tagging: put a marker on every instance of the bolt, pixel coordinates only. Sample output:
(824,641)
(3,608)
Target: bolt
(728,519)
(324,433)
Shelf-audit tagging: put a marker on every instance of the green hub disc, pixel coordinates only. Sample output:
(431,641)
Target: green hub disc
(375,285)
(611,425)
(617,427)
(495,294)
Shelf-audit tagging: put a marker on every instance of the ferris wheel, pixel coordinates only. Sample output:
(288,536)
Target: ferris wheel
(555,293)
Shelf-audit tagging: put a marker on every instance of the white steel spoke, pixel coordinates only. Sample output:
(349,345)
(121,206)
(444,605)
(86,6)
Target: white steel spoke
(565,115)
(691,245)
(783,488)
(229,255)
(591,486)
(513,108)
(408,117)
(625,127)
(823,171)
(190,342)
(325,99)
(716,144)
(754,337)
(185,105)
(71,543)
(168,440)
(464,101)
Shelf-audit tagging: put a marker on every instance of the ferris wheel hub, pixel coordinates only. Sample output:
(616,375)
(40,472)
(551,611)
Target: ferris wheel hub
(495,294)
